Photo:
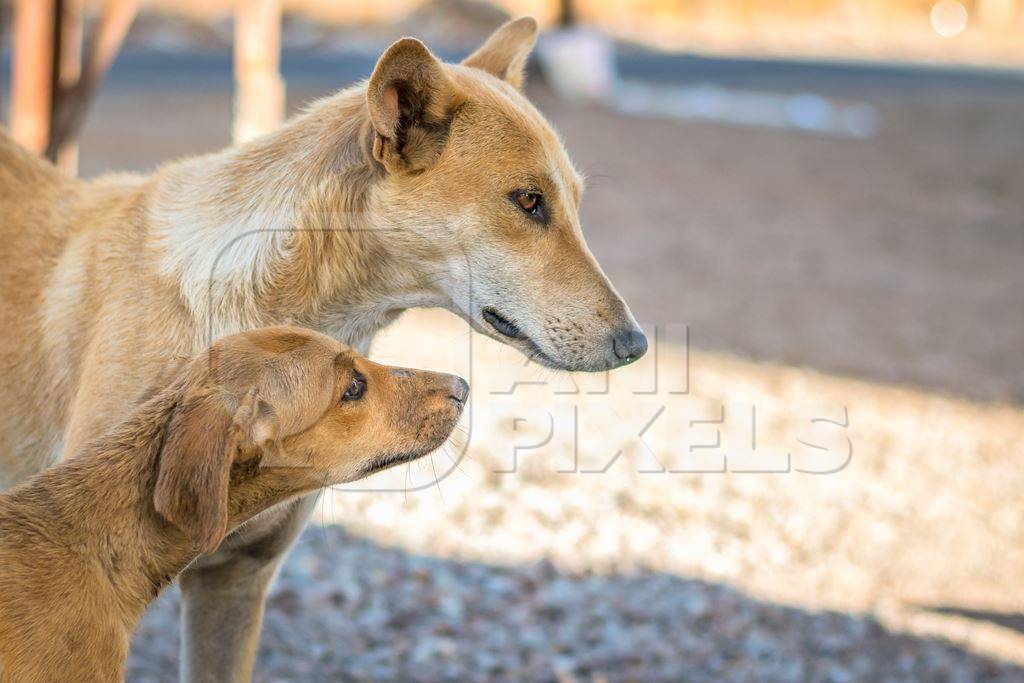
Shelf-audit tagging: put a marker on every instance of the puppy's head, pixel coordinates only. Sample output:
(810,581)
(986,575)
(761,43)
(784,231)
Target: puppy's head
(289,411)
(484,191)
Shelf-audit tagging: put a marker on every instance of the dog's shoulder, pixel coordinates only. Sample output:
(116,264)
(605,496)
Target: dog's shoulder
(21,169)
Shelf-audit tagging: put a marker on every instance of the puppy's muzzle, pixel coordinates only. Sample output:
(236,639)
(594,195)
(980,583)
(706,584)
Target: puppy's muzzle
(459,391)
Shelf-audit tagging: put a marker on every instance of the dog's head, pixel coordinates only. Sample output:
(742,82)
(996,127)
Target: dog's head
(288,411)
(484,188)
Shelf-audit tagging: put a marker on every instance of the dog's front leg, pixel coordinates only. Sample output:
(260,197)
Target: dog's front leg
(223,594)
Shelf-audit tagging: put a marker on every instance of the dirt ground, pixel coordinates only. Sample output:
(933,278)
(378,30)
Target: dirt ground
(816,275)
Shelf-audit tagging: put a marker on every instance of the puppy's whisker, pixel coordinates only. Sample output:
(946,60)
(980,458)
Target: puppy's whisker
(460,442)
(405,485)
(459,437)
(444,447)
(323,521)
(437,482)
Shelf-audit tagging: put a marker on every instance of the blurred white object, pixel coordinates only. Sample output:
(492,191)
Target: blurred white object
(804,111)
(579,64)
(949,18)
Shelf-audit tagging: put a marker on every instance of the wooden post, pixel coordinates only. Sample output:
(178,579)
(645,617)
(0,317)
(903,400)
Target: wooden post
(32,68)
(259,94)
(566,14)
(68,54)
(117,18)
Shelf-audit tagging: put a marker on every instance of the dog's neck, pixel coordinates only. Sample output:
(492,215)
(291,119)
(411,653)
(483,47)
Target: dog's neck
(286,229)
(96,510)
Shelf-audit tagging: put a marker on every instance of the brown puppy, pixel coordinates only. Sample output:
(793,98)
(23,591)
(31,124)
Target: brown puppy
(259,419)
(429,185)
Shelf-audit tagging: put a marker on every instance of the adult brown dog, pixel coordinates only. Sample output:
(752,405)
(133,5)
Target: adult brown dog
(431,184)
(262,417)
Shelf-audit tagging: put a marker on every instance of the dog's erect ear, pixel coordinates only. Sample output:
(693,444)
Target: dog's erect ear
(205,435)
(410,99)
(505,53)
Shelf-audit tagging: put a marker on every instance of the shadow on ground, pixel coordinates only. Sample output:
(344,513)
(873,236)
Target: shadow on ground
(345,608)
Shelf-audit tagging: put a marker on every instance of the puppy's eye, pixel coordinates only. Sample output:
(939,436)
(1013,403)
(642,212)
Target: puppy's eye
(356,388)
(530,202)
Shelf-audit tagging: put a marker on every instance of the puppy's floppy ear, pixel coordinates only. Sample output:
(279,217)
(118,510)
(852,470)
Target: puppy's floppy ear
(410,100)
(206,433)
(505,53)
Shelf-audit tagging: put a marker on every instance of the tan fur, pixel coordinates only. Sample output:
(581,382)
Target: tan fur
(259,419)
(393,194)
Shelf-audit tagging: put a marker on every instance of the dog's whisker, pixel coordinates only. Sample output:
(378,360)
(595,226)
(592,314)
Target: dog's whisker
(597,179)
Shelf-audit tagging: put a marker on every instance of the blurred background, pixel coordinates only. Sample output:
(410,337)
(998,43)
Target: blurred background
(816,209)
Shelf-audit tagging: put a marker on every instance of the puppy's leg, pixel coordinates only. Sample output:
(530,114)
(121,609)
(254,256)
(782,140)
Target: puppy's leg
(223,594)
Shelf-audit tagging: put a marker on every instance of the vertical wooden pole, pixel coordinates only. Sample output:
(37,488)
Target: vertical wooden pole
(566,14)
(32,68)
(69,60)
(74,102)
(259,94)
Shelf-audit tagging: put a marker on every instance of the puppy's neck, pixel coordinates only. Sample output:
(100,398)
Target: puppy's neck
(284,229)
(95,511)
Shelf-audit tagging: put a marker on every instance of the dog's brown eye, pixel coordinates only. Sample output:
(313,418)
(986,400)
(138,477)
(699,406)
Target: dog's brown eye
(356,388)
(530,202)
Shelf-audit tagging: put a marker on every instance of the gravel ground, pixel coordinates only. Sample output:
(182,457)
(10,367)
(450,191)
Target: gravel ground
(482,573)
(345,608)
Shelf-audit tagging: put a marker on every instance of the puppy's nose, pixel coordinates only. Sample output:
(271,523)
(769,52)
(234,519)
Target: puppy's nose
(459,389)
(628,345)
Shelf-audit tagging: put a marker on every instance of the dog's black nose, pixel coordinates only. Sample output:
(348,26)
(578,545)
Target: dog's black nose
(459,389)
(628,344)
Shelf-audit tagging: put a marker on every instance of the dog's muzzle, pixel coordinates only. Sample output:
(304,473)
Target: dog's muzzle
(628,345)
(502,324)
